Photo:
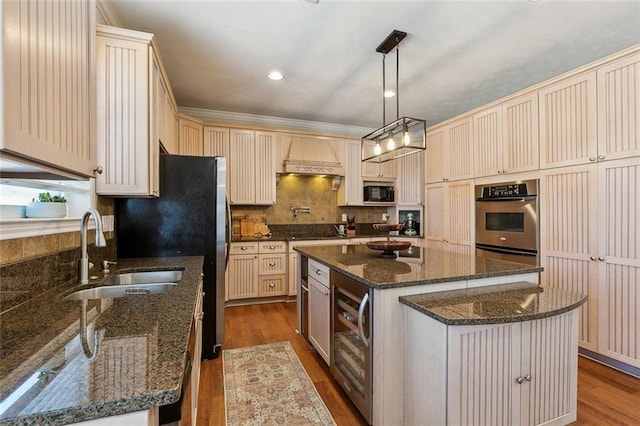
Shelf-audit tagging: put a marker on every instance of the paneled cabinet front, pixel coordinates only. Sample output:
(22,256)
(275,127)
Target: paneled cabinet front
(521,373)
(449,154)
(49,99)
(449,216)
(190,141)
(128,121)
(350,191)
(506,137)
(252,167)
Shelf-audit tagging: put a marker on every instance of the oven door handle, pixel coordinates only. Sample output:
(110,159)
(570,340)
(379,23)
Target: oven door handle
(363,304)
(524,198)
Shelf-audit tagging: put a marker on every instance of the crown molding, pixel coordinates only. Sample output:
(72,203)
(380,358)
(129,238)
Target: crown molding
(108,14)
(240,119)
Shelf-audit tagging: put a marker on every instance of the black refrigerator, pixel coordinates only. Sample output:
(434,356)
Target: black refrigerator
(190,218)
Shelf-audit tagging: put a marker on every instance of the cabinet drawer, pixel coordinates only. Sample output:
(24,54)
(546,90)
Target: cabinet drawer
(319,271)
(273,247)
(272,285)
(272,264)
(243,248)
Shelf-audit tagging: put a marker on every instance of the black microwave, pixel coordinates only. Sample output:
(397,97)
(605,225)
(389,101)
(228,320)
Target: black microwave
(379,194)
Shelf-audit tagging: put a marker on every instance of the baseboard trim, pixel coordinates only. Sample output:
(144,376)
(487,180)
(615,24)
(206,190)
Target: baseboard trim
(610,362)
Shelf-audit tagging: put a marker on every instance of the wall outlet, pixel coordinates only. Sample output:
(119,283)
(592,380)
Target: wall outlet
(107,223)
(344,217)
(384,217)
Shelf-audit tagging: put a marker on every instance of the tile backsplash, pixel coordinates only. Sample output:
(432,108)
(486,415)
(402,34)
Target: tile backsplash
(314,192)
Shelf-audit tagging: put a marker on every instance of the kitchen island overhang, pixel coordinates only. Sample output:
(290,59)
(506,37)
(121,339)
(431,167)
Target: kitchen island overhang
(418,271)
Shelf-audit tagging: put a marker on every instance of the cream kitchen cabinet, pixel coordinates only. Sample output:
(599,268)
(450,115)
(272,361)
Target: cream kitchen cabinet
(190,140)
(319,308)
(251,167)
(48,84)
(350,191)
(257,270)
(386,170)
(591,244)
(449,216)
(449,154)
(618,85)
(294,263)
(410,183)
(216,141)
(506,137)
(568,122)
(165,113)
(522,373)
(128,71)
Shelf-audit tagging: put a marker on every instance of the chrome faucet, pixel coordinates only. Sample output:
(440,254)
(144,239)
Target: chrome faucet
(83,263)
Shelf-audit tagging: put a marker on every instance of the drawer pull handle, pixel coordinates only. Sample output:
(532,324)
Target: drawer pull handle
(272,285)
(243,248)
(318,272)
(272,263)
(271,247)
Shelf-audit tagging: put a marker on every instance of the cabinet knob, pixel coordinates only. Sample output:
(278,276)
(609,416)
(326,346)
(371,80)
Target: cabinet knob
(504,171)
(98,170)
(593,258)
(272,264)
(243,248)
(592,158)
(499,172)
(271,247)
(318,272)
(519,380)
(601,157)
(601,259)
(155,191)
(201,316)
(272,285)
(527,377)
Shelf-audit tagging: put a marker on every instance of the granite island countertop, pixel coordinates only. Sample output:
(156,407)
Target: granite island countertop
(496,304)
(46,378)
(413,267)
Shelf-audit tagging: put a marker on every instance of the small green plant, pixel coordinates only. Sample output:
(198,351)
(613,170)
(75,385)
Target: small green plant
(45,197)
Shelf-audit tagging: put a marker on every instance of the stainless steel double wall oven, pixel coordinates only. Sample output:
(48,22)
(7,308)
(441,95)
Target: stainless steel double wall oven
(507,221)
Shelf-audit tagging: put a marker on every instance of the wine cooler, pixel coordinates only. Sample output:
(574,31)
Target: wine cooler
(351,340)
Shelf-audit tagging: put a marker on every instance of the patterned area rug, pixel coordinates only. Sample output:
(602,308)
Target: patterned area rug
(267,385)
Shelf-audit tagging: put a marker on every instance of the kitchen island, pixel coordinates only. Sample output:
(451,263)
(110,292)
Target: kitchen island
(415,271)
(47,376)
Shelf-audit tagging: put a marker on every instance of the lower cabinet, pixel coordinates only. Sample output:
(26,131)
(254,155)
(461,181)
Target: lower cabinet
(319,309)
(521,373)
(260,271)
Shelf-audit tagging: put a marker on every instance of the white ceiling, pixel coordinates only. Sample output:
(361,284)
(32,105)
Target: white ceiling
(457,55)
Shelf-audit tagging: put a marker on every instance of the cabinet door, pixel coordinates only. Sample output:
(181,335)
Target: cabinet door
(350,192)
(619,108)
(190,137)
(48,66)
(549,370)
(460,150)
(319,317)
(265,167)
(460,213)
(293,274)
(272,285)
(488,142)
(243,277)
(520,141)
(569,239)
(619,260)
(483,363)
(568,122)
(409,183)
(371,169)
(241,167)
(124,148)
(272,264)
(216,141)
(436,226)
(437,156)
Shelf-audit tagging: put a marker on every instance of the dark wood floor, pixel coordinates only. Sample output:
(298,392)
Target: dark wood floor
(605,396)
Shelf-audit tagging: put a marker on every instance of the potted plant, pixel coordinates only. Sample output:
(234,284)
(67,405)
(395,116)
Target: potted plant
(47,205)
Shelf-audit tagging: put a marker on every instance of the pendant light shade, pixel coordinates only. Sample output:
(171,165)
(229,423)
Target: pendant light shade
(402,137)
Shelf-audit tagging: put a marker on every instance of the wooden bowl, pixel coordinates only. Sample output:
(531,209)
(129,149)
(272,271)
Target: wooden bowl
(388,227)
(388,247)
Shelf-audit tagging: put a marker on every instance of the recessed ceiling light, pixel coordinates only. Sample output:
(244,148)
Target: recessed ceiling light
(389,94)
(275,75)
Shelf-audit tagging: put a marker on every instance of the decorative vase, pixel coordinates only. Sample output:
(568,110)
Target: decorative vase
(43,210)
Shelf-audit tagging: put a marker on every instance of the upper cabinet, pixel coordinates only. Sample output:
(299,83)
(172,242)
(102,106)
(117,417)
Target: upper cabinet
(190,136)
(449,154)
(216,141)
(506,137)
(129,122)
(409,184)
(350,192)
(619,108)
(386,170)
(568,131)
(49,84)
(252,167)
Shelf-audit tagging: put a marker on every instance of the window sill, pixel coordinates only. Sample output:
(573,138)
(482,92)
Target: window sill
(21,228)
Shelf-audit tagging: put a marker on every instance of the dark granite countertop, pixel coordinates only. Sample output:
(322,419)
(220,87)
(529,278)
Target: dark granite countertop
(46,378)
(310,232)
(416,266)
(494,304)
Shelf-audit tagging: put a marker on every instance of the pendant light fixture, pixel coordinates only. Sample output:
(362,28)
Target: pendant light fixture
(405,135)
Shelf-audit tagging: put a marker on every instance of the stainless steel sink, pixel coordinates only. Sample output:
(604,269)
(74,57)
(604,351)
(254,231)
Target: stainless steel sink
(120,290)
(171,276)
